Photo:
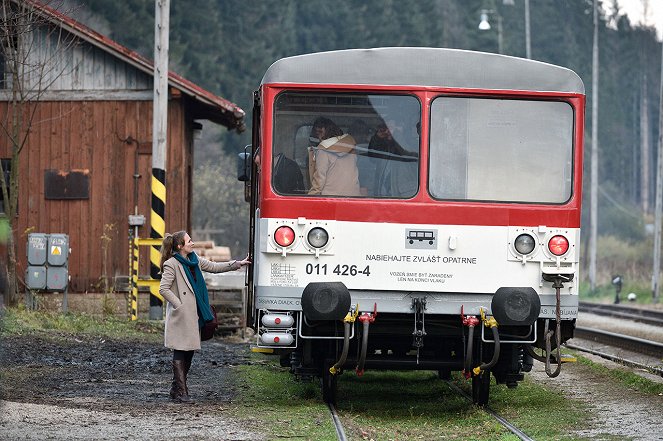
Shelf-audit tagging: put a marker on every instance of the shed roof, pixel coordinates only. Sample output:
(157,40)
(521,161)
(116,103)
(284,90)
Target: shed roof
(217,109)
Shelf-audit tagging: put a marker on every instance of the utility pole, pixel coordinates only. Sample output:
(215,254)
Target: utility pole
(593,208)
(658,211)
(644,148)
(528,41)
(159,147)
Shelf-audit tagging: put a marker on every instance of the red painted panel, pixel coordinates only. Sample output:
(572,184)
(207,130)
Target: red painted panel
(421,209)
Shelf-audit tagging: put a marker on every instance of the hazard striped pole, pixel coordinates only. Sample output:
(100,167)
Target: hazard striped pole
(134,278)
(159,147)
(158,231)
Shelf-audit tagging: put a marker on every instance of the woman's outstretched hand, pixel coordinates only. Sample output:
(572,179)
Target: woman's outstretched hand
(244,262)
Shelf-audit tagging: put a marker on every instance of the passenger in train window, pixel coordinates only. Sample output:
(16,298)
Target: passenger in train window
(333,162)
(361,133)
(288,178)
(187,309)
(396,170)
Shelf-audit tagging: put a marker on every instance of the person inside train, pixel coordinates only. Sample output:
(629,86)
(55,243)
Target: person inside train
(333,162)
(392,177)
(288,178)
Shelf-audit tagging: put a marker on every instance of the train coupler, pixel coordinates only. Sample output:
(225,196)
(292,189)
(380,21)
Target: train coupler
(419,306)
(548,333)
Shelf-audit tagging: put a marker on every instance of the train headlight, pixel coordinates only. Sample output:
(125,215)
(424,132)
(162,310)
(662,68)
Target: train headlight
(558,245)
(318,237)
(525,244)
(284,236)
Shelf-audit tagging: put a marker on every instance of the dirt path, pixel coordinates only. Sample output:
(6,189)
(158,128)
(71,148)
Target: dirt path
(92,388)
(64,387)
(619,413)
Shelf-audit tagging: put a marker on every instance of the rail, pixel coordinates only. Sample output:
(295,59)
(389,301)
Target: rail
(636,344)
(617,359)
(340,433)
(503,421)
(641,315)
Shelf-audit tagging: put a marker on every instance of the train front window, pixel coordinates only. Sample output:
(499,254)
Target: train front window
(346,145)
(501,150)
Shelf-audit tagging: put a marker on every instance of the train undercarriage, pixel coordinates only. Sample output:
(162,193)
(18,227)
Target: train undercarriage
(441,343)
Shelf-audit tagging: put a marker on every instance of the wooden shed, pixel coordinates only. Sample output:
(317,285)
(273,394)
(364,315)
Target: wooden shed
(87,163)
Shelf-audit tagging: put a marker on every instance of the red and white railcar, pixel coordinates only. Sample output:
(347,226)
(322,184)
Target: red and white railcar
(452,206)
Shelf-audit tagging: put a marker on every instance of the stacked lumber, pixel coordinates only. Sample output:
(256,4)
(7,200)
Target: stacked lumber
(210,251)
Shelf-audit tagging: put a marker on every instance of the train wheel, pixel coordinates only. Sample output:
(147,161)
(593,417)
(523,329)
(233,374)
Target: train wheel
(481,388)
(329,386)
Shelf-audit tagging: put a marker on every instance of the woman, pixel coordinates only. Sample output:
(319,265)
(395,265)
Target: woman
(187,310)
(333,163)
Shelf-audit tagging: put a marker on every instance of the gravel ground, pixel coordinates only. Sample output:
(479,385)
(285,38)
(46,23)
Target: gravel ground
(90,388)
(618,413)
(65,387)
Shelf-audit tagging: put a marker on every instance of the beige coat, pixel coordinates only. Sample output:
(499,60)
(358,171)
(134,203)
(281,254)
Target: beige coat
(181,328)
(333,168)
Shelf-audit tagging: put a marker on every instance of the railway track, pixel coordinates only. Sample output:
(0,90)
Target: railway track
(641,315)
(635,344)
(627,342)
(504,422)
(340,433)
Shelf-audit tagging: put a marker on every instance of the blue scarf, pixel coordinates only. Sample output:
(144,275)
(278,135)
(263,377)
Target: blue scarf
(190,264)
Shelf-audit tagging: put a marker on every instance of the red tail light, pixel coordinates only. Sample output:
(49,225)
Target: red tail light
(558,245)
(284,236)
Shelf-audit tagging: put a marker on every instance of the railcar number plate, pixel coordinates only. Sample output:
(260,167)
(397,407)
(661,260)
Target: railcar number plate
(339,270)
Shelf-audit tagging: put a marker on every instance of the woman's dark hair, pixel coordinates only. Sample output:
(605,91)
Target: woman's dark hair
(331,129)
(171,245)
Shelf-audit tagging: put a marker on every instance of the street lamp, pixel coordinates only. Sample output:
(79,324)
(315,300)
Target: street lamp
(484,25)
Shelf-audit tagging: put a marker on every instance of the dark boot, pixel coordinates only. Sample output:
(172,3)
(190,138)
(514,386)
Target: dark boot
(180,395)
(187,366)
(173,388)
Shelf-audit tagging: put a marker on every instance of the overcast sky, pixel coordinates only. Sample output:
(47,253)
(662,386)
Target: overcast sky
(634,9)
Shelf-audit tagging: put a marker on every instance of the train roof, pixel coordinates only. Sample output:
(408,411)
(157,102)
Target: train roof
(419,66)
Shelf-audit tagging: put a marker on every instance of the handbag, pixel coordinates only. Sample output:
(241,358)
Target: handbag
(208,329)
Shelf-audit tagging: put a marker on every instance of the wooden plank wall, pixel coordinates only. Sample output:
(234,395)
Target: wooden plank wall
(88,135)
(70,64)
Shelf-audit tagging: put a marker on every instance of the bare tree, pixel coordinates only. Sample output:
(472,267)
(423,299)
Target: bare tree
(31,61)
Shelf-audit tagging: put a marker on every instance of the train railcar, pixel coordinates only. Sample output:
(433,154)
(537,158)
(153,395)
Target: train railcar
(415,208)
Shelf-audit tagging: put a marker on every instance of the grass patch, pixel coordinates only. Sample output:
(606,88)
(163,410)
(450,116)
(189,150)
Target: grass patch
(540,413)
(282,407)
(606,293)
(18,321)
(624,377)
(388,405)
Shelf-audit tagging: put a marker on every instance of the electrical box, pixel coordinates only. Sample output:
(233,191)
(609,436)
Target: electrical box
(58,249)
(37,243)
(35,277)
(57,278)
(48,256)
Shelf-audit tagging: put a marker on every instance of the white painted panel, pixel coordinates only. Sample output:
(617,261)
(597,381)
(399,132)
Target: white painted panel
(370,256)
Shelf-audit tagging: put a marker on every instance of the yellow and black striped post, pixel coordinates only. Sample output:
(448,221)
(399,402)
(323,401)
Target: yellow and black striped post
(134,278)
(158,231)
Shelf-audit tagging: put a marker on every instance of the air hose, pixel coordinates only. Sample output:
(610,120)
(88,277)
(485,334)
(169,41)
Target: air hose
(492,324)
(347,321)
(364,347)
